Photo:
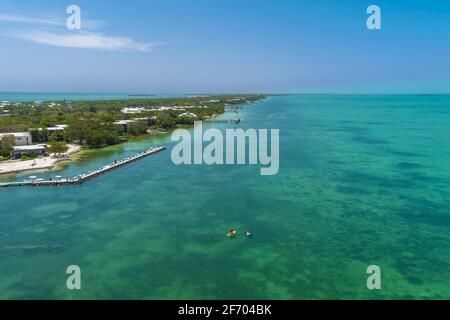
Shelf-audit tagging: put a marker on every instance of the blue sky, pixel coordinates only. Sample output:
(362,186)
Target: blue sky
(200,46)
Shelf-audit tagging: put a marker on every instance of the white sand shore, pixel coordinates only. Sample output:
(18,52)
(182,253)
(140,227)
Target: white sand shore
(49,162)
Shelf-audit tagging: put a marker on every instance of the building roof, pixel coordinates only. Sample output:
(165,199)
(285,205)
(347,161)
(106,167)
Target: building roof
(133,110)
(55,129)
(147,118)
(37,147)
(16,134)
(124,122)
(188,114)
(58,127)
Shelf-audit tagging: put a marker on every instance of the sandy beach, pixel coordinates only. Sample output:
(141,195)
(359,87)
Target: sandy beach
(14,166)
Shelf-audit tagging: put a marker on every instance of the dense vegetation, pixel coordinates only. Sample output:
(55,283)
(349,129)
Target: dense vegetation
(92,122)
(6,146)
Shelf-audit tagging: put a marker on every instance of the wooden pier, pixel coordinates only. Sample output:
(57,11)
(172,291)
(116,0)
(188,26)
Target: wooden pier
(236,121)
(82,178)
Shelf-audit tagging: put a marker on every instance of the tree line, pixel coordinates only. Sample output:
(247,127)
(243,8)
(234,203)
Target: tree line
(91,123)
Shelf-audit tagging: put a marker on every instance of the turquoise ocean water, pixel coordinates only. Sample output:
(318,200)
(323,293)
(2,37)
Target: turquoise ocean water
(364,180)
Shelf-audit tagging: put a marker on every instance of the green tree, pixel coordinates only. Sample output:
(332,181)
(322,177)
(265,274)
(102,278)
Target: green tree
(39,135)
(6,145)
(102,138)
(166,121)
(76,130)
(186,120)
(57,147)
(136,129)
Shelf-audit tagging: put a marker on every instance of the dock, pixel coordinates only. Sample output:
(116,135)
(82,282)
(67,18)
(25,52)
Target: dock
(235,121)
(82,178)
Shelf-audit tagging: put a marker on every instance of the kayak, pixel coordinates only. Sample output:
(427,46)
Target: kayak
(232,234)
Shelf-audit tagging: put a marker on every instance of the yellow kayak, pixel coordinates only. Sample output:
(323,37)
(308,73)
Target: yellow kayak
(232,234)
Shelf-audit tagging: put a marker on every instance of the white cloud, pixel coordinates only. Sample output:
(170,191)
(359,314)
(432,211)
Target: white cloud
(83,39)
(86,23)
(29,20)
(87,40)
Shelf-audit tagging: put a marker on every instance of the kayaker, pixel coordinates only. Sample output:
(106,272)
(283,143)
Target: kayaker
(232,233)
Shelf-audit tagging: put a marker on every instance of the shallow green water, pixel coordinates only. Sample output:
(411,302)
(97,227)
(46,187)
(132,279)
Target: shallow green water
(363,180)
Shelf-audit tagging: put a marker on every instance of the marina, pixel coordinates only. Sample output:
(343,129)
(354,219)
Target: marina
(33,181)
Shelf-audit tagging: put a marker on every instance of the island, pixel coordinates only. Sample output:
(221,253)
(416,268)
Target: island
(38,135)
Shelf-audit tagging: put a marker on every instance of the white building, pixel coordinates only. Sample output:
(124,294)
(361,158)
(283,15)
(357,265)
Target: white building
(21,138)
(133,110)
(188,114)
(58,127)
(35,150)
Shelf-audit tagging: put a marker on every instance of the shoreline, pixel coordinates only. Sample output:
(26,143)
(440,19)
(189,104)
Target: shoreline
(42,164)
(60,164)
(82,178)
(55,165)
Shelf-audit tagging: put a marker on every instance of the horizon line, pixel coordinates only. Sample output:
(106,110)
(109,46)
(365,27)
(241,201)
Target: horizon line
(224,93)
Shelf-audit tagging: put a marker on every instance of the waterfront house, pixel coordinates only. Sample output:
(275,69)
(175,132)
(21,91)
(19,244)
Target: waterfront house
(34,150)
(21,138)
